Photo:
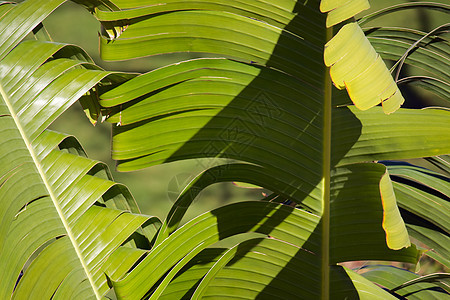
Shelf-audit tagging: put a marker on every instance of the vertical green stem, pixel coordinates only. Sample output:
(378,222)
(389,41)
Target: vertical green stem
(326,152)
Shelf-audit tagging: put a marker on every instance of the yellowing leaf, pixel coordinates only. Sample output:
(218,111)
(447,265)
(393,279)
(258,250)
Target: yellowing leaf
(396,233)
(355,65)
(365,88)
(340,54)
(339,10)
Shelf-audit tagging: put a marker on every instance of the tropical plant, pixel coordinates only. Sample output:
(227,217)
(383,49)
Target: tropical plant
(264,101)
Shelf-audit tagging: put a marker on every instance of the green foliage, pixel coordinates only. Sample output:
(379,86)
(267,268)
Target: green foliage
(263,103)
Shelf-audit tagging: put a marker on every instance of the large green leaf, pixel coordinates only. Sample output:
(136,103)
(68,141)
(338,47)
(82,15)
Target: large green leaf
(426,53)
(293,243)
(61,215)
(19,20)
(264,98)
(431,55)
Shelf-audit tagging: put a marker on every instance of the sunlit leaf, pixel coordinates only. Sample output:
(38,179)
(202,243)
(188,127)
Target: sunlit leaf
(355,65)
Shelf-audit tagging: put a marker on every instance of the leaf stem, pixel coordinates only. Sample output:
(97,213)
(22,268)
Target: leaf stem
(326,159)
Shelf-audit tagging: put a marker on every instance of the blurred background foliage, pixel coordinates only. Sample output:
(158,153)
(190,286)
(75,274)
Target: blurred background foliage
(156,188)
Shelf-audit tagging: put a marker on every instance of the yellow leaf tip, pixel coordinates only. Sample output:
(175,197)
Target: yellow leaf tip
(339,11)
(396,233)
(393,103)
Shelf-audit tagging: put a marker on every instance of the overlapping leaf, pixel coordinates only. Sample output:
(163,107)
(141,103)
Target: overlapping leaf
(353,62)
(356,66)
(403,283)
(264,99)
(423,196)
(425,53)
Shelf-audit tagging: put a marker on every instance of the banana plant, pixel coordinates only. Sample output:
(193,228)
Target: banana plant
(263,99)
